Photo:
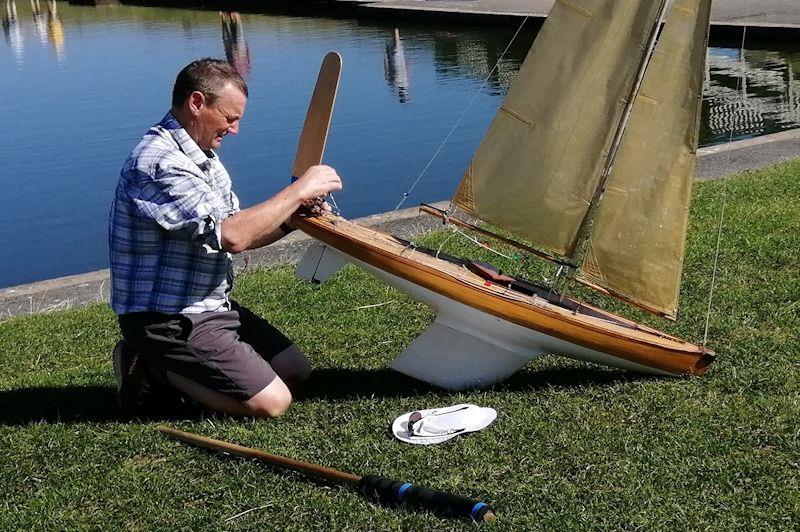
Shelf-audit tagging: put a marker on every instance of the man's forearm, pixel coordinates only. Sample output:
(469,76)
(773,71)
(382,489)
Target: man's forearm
(272,237)
(259,225)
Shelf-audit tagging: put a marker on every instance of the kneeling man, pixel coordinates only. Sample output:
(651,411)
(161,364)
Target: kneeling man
(173,226)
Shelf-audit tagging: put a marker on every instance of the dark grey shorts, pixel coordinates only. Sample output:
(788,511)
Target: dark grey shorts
(228,352)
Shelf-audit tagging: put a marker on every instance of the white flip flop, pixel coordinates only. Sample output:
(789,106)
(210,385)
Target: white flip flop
(436,425)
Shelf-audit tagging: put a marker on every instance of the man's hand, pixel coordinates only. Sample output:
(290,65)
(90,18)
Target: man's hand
(261,224)
(318,206)
(317,182)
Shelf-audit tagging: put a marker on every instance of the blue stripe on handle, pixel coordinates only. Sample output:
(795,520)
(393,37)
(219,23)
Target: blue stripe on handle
(401,491)
(294,178)
(476,509)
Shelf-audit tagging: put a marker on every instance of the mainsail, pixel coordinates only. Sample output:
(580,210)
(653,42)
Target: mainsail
(637,241)
(547,148)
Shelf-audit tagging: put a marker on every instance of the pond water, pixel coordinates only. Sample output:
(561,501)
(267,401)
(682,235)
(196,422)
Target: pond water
(80,86)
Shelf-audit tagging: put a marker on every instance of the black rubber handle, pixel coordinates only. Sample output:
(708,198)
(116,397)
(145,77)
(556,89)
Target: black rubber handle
(394,492)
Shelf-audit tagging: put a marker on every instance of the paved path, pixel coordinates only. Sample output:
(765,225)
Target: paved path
(780,12)
(741,156)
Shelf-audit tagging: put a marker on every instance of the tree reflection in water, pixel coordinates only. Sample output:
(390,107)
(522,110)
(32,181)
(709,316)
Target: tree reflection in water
(12,29)
(236,49)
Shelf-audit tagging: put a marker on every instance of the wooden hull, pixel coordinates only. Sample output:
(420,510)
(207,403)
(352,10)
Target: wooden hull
(527,325)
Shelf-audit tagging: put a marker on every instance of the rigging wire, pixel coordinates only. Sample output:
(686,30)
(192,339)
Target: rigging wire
(458,122)
(446,240)
(336,210)
(740,84)
(481,244)
(456,231)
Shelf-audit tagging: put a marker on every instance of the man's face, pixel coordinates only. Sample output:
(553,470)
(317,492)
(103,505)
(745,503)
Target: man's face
(215,121)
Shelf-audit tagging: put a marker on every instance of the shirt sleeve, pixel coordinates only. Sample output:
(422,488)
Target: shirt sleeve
(181,202)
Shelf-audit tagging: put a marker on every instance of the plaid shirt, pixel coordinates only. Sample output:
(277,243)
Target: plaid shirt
(165,238)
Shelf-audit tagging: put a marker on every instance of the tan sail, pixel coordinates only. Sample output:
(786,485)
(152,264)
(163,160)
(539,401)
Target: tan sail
(547,146)
(638,238)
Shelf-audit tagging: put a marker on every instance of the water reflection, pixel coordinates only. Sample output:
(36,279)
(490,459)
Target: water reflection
(395,67)
(747,93)
(54,29)
(39,22)
(236,49)
(750,93)
(47,27)
(457,53)
(12,29)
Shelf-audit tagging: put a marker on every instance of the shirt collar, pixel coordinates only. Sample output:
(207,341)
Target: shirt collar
(185,142)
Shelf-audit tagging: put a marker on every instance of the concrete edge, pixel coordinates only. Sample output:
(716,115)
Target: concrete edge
(452,10)
(87,288)
(789,135)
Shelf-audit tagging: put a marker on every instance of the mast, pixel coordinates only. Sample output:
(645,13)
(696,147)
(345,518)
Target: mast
(578,250)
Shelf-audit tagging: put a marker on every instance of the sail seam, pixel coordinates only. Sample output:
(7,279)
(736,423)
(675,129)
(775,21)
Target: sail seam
(517,116)
(648,98)
(575,8)
(683,10)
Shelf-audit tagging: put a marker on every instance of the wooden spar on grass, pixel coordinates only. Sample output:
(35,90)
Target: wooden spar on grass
(380,489)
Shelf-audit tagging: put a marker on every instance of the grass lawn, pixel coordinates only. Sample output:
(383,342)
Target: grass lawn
(574,445)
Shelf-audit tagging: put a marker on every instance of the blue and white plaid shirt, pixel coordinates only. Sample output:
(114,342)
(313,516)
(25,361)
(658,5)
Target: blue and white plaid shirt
(165,238)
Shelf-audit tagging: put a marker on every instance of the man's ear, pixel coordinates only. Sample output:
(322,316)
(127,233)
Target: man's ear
(197,100)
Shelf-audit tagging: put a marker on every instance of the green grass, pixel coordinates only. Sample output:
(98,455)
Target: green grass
(574,446)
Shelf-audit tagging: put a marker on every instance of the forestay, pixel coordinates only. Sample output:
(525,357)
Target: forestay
(638,237)
(536,171)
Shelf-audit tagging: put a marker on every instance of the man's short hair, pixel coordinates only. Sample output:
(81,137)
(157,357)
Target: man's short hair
(208,76)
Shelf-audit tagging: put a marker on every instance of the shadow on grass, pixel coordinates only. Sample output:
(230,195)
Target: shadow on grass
(342,383)
(68,404)
(571,378)
(98,404)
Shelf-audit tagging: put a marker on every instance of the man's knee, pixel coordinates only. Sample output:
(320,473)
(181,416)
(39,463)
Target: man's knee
(272,401)
(302,369)
(292,365)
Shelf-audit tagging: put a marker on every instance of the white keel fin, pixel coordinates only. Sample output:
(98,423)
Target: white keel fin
(319,263)
(455,360)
